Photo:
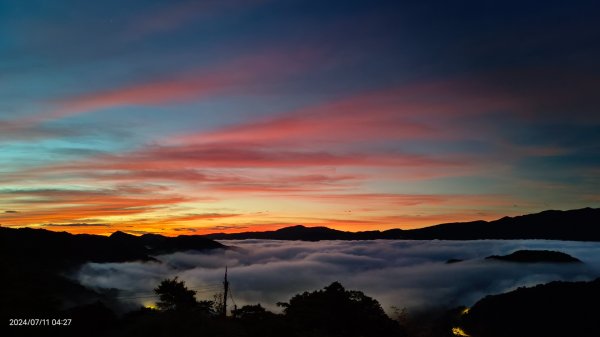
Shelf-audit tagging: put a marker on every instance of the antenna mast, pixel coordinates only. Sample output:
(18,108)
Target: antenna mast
(225,293)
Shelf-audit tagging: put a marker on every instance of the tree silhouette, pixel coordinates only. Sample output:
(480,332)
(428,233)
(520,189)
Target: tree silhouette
(207,308)
(334,311)
(252,312)
(174,295)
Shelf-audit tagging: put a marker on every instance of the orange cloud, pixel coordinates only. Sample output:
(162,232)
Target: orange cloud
(71,206)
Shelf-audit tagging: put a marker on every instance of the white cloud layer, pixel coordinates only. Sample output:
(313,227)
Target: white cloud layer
(411,274)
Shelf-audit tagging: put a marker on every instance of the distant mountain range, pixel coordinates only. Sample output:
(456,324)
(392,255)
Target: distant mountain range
(61,249)
(577,225)
(36,263)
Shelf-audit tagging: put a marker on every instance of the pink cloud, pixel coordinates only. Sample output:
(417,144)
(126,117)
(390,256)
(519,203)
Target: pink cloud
(342,135)
(415,112)
(230,75)
(289,184)
(386,200)
(154,158)
(249,182)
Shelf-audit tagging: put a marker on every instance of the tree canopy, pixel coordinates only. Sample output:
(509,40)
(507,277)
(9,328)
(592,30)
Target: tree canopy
(335,311)
(174,295)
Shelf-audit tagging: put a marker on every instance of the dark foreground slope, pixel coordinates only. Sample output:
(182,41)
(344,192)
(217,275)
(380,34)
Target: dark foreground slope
(556,309)
(576,225)
(33,262)
(330,312)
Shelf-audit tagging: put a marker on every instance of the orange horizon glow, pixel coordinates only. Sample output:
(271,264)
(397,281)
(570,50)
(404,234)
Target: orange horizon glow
(186,225)
(235,116)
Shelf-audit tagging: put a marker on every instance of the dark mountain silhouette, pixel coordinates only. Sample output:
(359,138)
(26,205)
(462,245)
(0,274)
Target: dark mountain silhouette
(26,245)
(291,233)
(536,256)
(577,225)
(34,261)
(304,233)
(154,244)
(553,309)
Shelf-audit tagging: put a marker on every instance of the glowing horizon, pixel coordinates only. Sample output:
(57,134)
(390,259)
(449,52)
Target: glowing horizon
(200,117)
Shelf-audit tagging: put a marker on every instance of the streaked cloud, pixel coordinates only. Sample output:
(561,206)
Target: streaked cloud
(356,115)
(176,15)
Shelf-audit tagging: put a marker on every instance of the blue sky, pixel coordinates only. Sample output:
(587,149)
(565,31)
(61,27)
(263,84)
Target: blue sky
(194,116)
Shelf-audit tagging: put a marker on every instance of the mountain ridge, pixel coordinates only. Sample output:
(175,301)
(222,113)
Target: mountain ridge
(46,248)
(571,225)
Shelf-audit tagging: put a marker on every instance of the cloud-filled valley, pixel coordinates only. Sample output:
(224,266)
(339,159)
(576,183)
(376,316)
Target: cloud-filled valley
(411,274)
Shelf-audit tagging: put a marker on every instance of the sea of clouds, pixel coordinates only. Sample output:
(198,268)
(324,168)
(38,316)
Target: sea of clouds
(404,274)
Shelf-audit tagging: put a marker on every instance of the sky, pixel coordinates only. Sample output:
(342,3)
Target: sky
(183,117)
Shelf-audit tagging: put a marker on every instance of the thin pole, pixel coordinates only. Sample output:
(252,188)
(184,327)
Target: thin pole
(225,293)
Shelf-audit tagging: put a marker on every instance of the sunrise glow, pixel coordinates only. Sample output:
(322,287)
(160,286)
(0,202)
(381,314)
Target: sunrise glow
(229,116)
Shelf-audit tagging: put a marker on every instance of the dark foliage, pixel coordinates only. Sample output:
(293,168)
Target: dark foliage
(330,312)
(556,309)
(433,322)
(174,295)
(252,313)
(254,320)
(335,311)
